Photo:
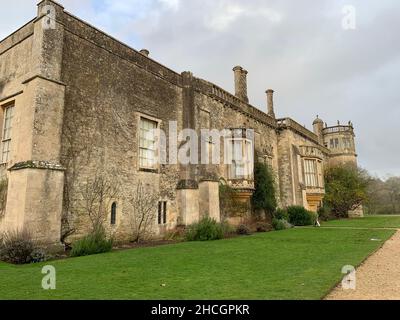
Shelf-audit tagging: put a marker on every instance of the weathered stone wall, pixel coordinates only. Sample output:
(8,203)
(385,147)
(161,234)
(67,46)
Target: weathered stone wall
(30,62)
(219,114)
(107,91)
(292,139)
(79,95)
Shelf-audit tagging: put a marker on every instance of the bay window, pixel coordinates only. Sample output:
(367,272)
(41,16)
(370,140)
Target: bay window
(242,159)
(311,173)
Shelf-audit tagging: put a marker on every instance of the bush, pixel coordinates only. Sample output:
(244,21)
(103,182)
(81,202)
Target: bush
(262,227)
(243,230)
(264,197)
(281,214)
(346,189)
(206,230)
(280,224)
(227,230)
(299,216)
(18,247)
(94,243)
(325,214)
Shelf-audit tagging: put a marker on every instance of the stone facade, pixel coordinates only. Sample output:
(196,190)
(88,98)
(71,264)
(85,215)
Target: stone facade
(78,97)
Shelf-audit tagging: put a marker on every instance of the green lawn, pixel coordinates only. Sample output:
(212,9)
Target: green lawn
(367,222)
(292,264)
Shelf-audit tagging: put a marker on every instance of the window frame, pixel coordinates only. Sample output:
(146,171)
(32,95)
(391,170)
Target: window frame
(113,218)
(5,109)
(232,169)
(162,212)
(156,167)
(310,177)
(334,143)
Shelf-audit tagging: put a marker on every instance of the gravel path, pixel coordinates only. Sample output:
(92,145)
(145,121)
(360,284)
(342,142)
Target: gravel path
(378,278)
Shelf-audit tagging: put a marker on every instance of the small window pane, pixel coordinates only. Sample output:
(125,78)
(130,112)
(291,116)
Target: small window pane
(165,212)
(114,213)
(159,213)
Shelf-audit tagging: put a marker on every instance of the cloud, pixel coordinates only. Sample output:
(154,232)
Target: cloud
(227,13)
(298,48)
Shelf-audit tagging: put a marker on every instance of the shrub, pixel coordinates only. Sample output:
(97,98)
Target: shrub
(227,229)
(94,243)
(281,214)
(206,230)
(262,227)
(264,197)
(18,247)
(280,224)
(346,189)
(299,216)
(3,196)
(243,230)
(38,255)
(325,214)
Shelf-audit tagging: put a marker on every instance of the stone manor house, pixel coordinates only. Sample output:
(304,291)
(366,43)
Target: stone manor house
(77,106)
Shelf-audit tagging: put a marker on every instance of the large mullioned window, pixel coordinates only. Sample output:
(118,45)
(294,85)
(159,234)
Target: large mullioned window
(148,144)
(6,139)
(242,159)
(311,173)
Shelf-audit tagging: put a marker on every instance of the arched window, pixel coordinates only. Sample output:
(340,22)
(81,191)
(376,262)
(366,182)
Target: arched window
(114,213)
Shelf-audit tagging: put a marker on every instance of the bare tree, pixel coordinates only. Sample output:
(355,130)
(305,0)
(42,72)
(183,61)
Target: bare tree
(3,196)
(142,218)
(97,196)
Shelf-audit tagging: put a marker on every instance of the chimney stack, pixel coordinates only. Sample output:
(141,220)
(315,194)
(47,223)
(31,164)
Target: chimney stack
(145,52)
(241,83)
(270,102)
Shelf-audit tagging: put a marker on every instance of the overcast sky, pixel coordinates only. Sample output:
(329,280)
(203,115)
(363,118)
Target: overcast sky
(298,48)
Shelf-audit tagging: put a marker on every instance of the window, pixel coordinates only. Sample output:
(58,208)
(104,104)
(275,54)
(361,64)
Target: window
(346,143)
(162,212)
(242,159)
(334,143)
(6,140)
(311,173)
(114,213)
(148,144)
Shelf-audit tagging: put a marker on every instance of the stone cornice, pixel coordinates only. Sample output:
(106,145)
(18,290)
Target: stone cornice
(77,26)
(187,185)
(35,164)
(233,102)
(43,78)
(11,96)
(287,123)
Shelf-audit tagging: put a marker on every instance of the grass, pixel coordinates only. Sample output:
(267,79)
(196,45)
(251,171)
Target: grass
(367,222)
(291,264)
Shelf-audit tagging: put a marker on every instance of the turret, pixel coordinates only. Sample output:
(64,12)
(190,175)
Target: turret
(340,140)
(318,126)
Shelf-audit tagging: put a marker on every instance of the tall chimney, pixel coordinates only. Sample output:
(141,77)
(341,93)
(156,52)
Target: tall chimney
(270,102)
(241,83)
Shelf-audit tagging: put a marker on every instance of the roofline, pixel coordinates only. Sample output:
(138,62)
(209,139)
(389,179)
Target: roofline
(20,28)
